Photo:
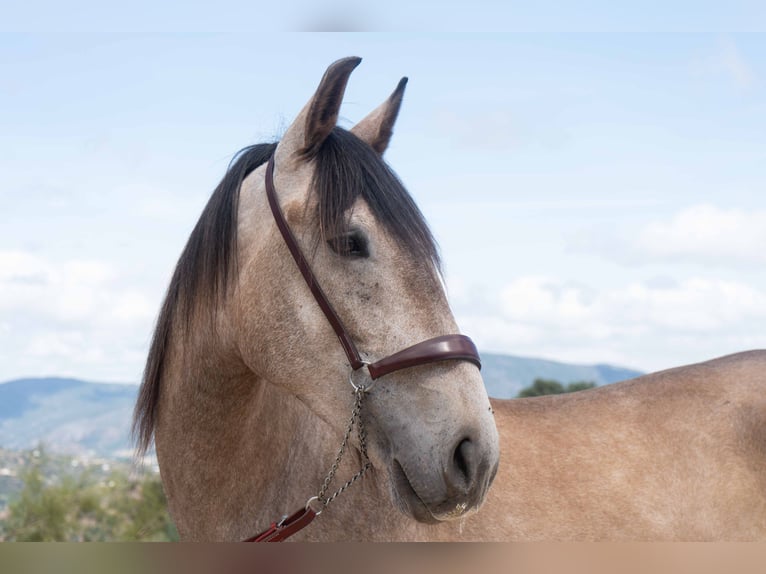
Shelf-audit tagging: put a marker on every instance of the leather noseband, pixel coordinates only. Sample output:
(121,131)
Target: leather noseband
(445,347)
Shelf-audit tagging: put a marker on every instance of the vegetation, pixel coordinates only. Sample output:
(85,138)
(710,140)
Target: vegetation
(85,503)
(542,387)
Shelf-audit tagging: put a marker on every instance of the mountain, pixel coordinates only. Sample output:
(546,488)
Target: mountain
(67,415)
(93,419)
(505,375)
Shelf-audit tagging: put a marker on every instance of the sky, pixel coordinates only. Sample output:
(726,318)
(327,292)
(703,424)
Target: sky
(598,197)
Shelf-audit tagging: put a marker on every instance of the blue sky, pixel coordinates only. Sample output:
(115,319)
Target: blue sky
(597,197)
(255,18)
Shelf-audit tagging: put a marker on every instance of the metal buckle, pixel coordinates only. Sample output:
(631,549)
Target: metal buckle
(359,387)
(316,502)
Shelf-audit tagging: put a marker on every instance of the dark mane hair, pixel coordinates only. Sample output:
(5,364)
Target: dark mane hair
(203,272)
(346,169)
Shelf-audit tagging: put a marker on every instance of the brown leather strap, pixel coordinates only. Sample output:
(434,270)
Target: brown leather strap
(345,339)
(446,347)
(282,530)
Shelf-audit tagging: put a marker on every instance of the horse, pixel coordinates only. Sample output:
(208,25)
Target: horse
(259,401)
(307,304)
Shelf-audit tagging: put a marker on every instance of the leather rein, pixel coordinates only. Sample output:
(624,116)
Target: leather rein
(442,348)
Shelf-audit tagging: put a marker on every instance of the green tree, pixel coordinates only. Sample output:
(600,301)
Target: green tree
(580,386)
(540,387)
(144,513)
(81,507)
(40,513)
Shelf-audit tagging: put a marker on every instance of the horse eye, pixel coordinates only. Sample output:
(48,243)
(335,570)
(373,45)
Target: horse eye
(352,244)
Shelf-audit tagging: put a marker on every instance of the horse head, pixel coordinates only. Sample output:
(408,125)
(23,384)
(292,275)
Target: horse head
(430,427)
(246,385)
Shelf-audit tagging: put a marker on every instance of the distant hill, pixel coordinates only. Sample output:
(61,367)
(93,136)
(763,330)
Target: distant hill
(505,375)
(67,415)
(93,419)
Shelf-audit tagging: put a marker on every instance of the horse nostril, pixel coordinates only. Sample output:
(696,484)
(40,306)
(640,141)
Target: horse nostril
(461,458)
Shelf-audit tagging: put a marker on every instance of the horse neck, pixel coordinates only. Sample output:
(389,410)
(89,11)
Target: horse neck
(223,425)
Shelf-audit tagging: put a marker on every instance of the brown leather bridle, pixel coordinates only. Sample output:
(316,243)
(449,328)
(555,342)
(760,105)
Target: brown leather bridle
(442,348)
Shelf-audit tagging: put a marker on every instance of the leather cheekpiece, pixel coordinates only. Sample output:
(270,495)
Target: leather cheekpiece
(442,348)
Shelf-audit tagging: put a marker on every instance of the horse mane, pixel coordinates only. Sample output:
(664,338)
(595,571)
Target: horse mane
(346,169)
(203,272)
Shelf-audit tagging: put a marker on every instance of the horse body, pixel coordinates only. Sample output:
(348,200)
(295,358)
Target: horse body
(246,389)
(674,455)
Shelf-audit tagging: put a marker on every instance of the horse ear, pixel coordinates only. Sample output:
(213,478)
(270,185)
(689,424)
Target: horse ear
(319,116)
(376,129)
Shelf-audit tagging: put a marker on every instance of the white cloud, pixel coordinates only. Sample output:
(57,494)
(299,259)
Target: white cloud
(541,299)
(61,315)
(734,64)
(726,61)
(706,233)
(702,234)
(495,127)
(638,324)
(73,290)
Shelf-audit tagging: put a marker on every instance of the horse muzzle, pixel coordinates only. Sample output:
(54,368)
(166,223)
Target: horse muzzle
(457,487)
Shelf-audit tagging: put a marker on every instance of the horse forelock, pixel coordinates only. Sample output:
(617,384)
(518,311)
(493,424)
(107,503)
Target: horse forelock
(203,275)
(347,169)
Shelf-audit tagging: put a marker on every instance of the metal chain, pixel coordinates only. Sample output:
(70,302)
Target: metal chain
(356,419)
